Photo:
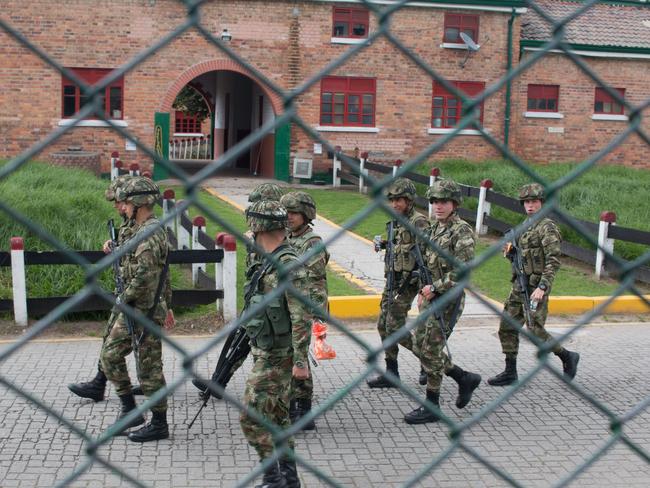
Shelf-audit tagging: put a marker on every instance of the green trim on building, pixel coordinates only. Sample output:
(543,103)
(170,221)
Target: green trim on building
(282,152)
(161,143)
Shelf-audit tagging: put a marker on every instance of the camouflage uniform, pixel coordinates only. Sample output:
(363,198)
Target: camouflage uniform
(279,335)
(455,237)
(539,245)
(304,240)
(393,312)
(142,270)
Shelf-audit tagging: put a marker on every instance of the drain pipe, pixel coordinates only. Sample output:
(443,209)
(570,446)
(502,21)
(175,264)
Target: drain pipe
(506,121)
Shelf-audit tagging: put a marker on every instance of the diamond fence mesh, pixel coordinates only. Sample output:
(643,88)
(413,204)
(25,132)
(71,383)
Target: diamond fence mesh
(192,184)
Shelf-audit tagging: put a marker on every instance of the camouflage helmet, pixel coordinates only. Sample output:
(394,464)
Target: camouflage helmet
(401,188)
(118,182)
(445,190)
(140,191)
(266,215)
(532,191)
(265,191)
(300,202)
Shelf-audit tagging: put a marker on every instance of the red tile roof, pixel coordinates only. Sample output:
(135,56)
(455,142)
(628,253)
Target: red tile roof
(604,24)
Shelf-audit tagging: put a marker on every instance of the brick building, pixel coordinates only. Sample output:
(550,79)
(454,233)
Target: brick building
(379,101)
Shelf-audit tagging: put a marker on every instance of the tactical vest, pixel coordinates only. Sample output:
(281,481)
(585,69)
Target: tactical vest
(532,252)
(271,327)
(445,236)
(299,243)
(404,240)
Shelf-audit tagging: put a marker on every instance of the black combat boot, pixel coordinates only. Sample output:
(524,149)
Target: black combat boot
(155,430)
(93,389)
(290,473)
(128,404)
(508,376)
(467,383)
(569,362)
(422,415)
(381,381)
(273,478)
(137,390)
(423,377)
(301,407)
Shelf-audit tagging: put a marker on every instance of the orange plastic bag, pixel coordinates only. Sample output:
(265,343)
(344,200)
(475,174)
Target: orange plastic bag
(322,350)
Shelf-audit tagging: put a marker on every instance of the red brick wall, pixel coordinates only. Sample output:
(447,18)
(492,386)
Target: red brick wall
(106,37)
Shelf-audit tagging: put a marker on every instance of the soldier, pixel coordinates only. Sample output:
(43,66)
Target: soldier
(456,237)
(540,248)
(401,284)
(264,191)
(144,274)
(301,211)
(279,337)
(95,389)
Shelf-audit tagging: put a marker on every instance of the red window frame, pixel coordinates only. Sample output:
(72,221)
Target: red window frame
(186,123)
(348,101)
(72,99)
(461,23)
(351,19)
(604,103)
(543,98)
(447,109)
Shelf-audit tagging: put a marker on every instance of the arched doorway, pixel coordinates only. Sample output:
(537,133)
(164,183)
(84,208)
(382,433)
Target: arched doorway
(240,104)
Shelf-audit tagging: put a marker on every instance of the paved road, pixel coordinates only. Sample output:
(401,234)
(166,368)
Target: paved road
(538,436)
(352,253)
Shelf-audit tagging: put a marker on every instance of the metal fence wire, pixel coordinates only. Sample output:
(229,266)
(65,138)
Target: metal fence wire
(92,446)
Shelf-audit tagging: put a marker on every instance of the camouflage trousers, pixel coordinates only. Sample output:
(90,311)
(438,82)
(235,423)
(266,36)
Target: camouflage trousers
(267,392)
(117,346)
(429,344)
(393,317)
(514,307)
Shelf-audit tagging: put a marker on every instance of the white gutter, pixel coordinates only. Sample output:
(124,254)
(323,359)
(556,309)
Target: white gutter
(485,8)
(595,54)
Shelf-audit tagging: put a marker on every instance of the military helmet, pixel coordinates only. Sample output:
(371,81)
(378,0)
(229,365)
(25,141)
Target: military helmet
(300,202)
(266,215)
(399,188)
(265,191)
(140,191)
(532,191)
(118,182)
(445,190)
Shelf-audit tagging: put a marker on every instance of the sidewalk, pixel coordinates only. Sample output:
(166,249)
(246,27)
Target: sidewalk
(349,252)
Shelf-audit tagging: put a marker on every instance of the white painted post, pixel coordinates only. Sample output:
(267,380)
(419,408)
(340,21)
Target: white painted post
(114,171)
(433,177)
(118,167)
(184,148)
(218,270)
(168,203)
(396,166)
(198,225)
(229,278)
(18,280)
(483,208)
(134,169)
(184,238)
(363,172)
(605,244)
(336,169)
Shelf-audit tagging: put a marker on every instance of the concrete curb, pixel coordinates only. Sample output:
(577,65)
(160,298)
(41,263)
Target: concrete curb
(367,306)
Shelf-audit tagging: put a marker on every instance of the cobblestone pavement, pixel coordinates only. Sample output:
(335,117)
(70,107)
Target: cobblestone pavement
(538,436)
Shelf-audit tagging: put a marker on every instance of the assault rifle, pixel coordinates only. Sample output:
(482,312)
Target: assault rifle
(235,348)
(424,274)
(390,261)
(119,289)
(513,253)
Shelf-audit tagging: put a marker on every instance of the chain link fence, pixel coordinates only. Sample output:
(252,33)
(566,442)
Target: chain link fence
(384,12)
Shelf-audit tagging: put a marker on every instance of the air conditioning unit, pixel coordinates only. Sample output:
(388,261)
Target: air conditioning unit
(302,168)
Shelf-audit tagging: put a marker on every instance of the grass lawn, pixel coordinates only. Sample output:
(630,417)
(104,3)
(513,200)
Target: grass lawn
(492,278)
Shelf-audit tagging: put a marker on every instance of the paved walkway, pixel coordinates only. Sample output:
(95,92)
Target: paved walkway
(538,436)
(348,251)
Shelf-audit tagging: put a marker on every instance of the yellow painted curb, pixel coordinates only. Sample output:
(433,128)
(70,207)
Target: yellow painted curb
(355,307)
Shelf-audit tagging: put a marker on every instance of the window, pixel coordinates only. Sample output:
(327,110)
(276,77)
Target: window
(604,103)
(186,123)
(73,99)
(543,98)
(350,22)
(347,101)
(457,23)
(448,108)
